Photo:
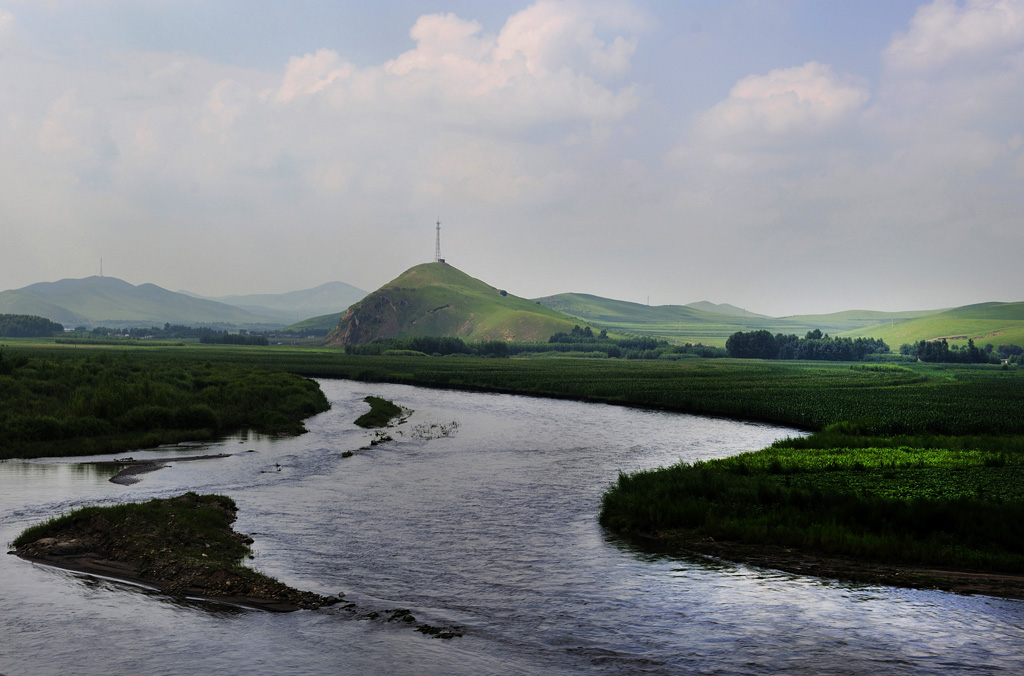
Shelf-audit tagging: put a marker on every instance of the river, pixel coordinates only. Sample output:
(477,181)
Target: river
(491,529)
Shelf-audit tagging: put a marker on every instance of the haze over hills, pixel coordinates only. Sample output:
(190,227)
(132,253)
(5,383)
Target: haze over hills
(295,306)
(436,299)
(108,301)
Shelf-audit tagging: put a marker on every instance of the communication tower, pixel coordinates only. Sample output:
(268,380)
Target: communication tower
(437,247)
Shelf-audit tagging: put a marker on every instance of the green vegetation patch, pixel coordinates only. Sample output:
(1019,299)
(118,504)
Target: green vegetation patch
(925,506)
(381,413)
(183,530)
(81,404)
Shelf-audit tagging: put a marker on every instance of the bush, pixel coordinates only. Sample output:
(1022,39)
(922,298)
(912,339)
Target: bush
(149,418)
(197,417)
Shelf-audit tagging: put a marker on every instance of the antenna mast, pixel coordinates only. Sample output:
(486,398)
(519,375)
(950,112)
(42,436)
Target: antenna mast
(437,247)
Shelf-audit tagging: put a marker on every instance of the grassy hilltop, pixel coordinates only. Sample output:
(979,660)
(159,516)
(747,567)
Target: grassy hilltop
(435,299)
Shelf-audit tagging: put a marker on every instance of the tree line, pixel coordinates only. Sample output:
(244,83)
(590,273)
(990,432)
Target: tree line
(813,346)
(941,351)
(28,326)
(431,345)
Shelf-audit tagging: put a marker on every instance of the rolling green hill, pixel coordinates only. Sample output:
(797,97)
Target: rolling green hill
(435,299)
(705,322)
(724,309)
(995,323)
(108,301)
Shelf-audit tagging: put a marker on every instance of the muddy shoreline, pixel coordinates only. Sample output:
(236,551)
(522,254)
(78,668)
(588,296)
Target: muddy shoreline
(91,564)
(183,547)
(810,564)
(132,468)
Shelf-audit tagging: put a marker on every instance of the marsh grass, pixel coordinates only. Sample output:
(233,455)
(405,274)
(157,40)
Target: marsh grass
(70,404)
(918,506)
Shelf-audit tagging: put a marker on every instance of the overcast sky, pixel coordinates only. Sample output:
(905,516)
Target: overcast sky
(785,156)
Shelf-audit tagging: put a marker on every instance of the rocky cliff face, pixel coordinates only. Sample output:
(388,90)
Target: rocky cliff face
(376,316)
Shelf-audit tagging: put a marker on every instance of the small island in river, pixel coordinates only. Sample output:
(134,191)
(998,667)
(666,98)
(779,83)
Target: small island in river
(183,546)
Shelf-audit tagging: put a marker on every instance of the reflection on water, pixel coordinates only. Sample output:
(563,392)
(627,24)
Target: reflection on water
(492,529)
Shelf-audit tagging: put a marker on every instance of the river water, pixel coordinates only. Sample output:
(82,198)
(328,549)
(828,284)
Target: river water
(492,529)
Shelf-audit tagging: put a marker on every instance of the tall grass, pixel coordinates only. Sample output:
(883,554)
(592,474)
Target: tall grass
(70,404)
(922,506)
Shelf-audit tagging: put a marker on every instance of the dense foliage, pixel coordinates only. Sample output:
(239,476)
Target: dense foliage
(941,351)
(27,326)
(70,405)
(813,346)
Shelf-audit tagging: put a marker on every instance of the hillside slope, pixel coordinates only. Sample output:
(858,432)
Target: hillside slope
(436,299)
(706,322)
(995,323)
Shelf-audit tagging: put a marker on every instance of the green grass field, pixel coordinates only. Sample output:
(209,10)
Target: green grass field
(880,398)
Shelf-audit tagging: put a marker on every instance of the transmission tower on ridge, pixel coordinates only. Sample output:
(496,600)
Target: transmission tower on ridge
(437,247)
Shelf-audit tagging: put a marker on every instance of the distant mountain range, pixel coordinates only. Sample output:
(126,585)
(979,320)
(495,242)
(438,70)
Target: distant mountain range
(108,301)
(438,299)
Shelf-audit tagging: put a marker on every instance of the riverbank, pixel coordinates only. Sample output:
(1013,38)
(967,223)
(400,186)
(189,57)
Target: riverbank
(181,546)
(789,560)
(929,517)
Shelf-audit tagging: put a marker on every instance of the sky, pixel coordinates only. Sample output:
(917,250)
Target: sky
(785,156)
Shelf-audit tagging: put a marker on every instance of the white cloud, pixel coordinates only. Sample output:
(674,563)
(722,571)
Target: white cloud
(804,100)
(946,31)
(225,104)
(311,74)
(7,23)
(554,35)
(546,65)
